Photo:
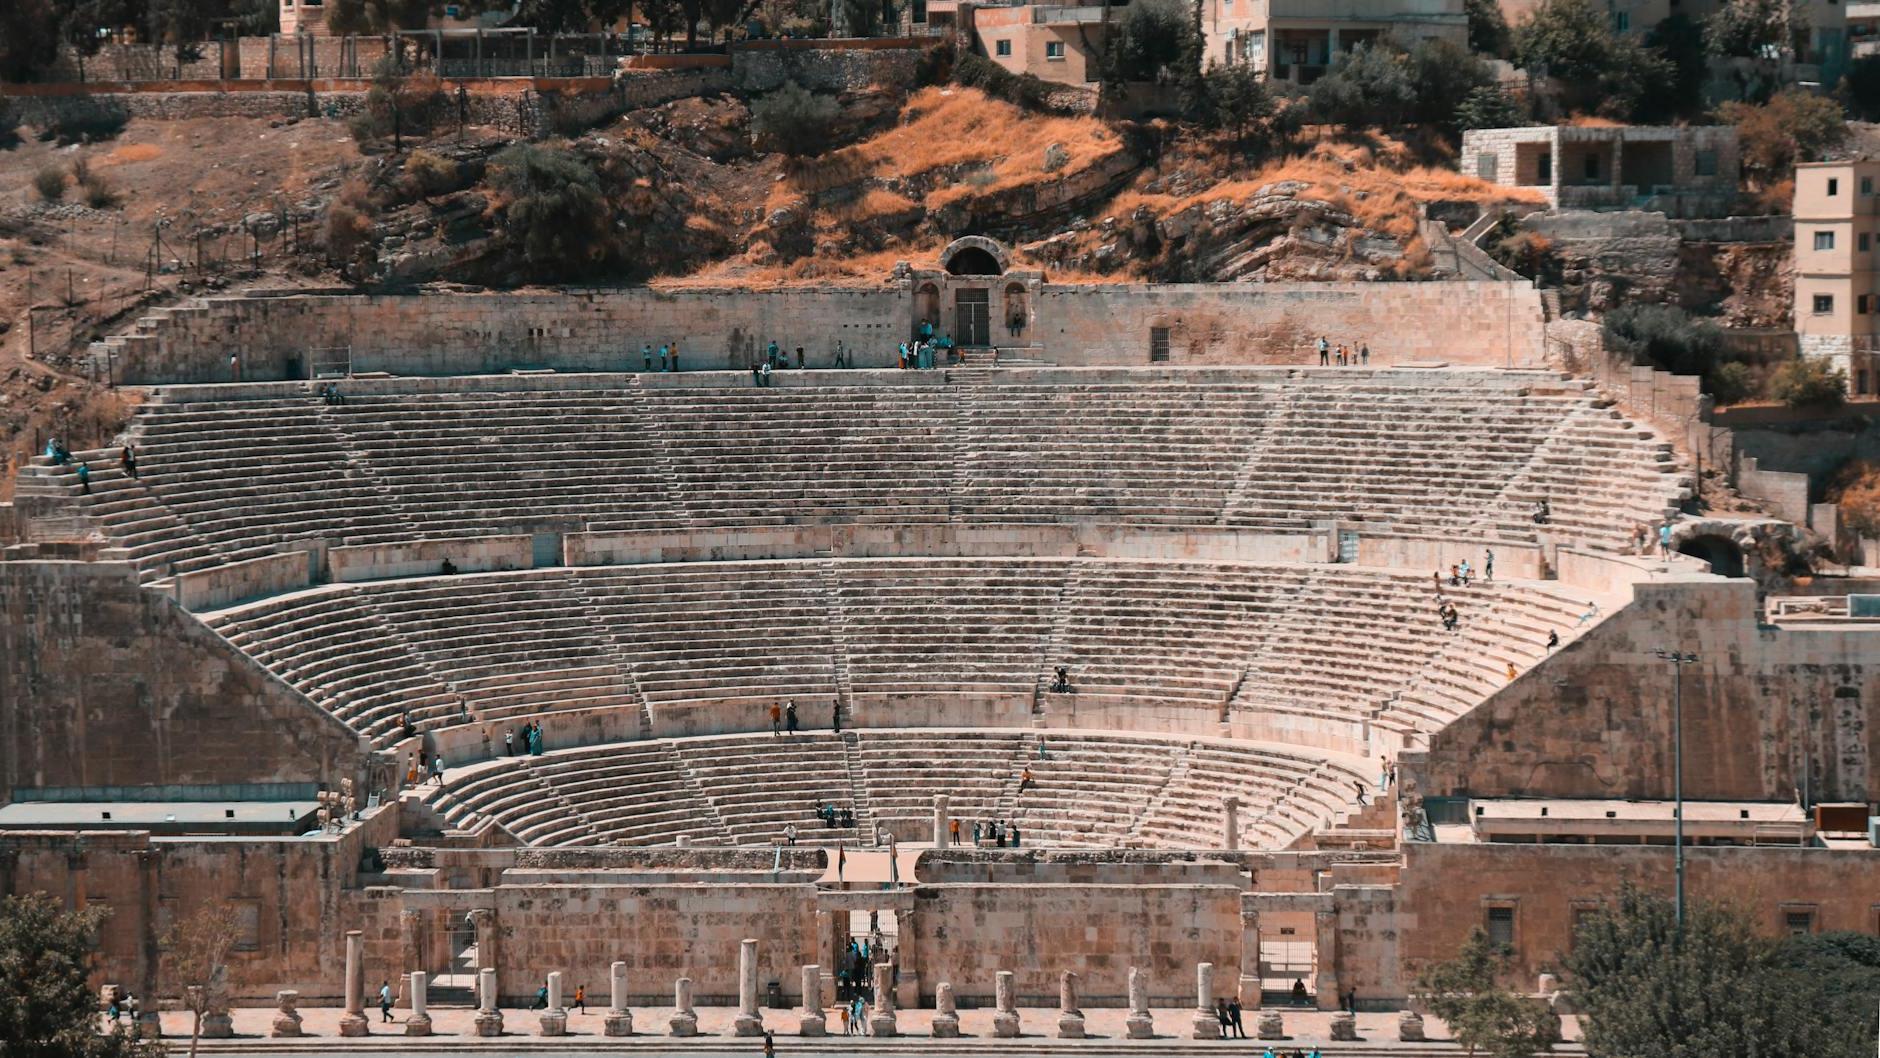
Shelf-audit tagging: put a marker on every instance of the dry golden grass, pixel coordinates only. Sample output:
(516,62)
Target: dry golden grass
(132,152)
(856,270)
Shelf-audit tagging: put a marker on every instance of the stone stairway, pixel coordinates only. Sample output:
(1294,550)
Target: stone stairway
(865,830)
(831,574)
(1153,809)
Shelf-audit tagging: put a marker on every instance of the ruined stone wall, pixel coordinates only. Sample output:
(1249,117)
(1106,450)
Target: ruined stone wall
(764,66)
(970,932)
(103,683)
(1461,323)
(1447,890)
(1595,719)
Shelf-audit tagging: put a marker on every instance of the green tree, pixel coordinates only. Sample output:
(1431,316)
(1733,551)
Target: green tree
(1239,100)
(551,208)
(793,120)
(46,1008)
(1488,107)
(1442,76)
(1372,85)
(198,961)
(1488,28)
(1808,382)
(1482,1014)
(1679,40)
(1755,28)
(29,39)
(1572,41)
(1152,36)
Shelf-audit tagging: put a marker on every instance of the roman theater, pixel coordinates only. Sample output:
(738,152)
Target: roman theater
(1129,642)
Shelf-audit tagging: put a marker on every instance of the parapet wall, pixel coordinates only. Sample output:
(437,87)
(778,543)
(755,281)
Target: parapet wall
(1485,324)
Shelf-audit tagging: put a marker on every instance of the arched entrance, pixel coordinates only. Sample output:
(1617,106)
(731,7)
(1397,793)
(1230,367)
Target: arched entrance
(1724,556)
(975,255)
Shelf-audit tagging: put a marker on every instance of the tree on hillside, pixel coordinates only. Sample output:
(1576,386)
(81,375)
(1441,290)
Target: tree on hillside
(29,39)
(1238,100)
(1715,989)
(46,1008)
(199,947)
(1488,28)
(793,120)
(1442,76)
(1755,28)
(1370,86)
(1489,107)
(1679,40)
(1598,71)
(1150,40)
(550,206)
(1482,1013)
(1793,126)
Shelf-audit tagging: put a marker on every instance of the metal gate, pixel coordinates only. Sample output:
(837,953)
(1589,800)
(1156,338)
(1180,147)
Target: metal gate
(972,312)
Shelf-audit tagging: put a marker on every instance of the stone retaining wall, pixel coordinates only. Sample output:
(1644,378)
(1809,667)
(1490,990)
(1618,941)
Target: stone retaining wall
(233,582)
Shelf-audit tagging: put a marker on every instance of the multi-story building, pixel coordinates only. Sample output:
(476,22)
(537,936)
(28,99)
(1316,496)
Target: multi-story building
(1685,171)
(1057,43)
(1818,53)
(1837,238)
(1298,40)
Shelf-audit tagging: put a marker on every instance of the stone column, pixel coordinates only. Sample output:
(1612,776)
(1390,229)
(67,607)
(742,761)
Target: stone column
(812,1022)
(907,961)
(940,820)
(1344,1026)
(1141,1024)
(1325,940)
(1271,1026)
(1230,824)
(750,1020)
(484,919)
(489,1020)
(411,934)
(354,1022)
(286,1018)
(555,1018)
(946,1020)
(419,1023)
(684,1020)
(1249,957)
(881,1023)
(1207,1024)
(1005,1019)
(1410,1027)
(1070,1019)
(619,1018)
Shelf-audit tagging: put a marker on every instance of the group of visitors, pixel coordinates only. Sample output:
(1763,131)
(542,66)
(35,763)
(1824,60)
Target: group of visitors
(1061,680)
(531,740)
(783,718)
(1001,833)
(1227,1012)
(1296,1053)
(1343,355)
(330,394)
(122,1005)
(422,765)
(835,818)
(668,356)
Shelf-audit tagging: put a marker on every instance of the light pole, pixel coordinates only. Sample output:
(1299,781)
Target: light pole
(1678,660)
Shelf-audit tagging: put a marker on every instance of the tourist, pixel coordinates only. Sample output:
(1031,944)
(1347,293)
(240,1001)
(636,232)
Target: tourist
(1436,581)
(646,354)
(127,459)
(1383,773)
(776,719)
(84,477)
(1359,786)
(953,830)
(1024,779)
(1364,354)
(1467,574)
(789,834)
(1061,680)
(130,1006)
(1542,512)
(770,1045)
(1511,672)
(665,357)
(1455,575)
(437,770)
(859,1011)
(976,837)
(1664,531)
(385,1001)
(580,998)
(802,359)
(541,998)
(1014,835)
(770,353)
(509,743)
(675,354)
(1553,639)
(1221,1015)
(842,862)
(789,717)
(1592,611)
(1299,992)
(766,375)
(842,355)
(447,567)
(1233,1011)
(904,356)
(835,718)
(1488,564)
(58,453)
(757,375)
(234,368)
(848,1025)
(1325,351)
(112,1011)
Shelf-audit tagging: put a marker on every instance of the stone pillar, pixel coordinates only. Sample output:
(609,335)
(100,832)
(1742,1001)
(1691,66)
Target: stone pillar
(484,919)
(1410,1027)
(881,1022)
(354,1022)
(216,1022)
(619,1018)
(1230,824)
(1271,1026)
(489,1020)
(1070,1019)
(940,821)
(1207,1023)
(1005,1020)
(555,1018)
(1344,1026)
(684,1020)
(946,1020)
(906,961)
(811,1022)
(1325,940)
(750,1020)
(1249,958)
(411,934)
(1140,1025)
(286,1017)
(419,1023)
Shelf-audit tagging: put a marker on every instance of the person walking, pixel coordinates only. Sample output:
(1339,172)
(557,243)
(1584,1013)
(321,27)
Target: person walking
(437,770)
(1488,564)
(1664,535)
(127,459)
(776,719)
(770,1045)
(1325,352)
(385,1001)
(1233,1011)
(789,716)
(580,998)
(646,354)
(84,476)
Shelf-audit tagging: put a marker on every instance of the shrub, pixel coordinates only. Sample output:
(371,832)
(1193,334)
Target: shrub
(1238,100)
(399,104)
(99,192)
(1806,382)
(1372,86)
(1732,383)
(348,225)
(1488,107)
(1025,90)
(1666,336)
(1856,487)
(49,181)
(85,119)
(1794,126)
(553,210)
(1150,39)
(793,120)
(1598,71)
(430,174)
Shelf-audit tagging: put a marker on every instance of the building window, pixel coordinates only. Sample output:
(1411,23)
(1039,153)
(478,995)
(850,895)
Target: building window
(1866,185)
(1592,167)
(1621,21)
(1864,241)
(1797,921)
(1158,345)
(1501,926)
(1834,187)
(1487,166)
(1054,50)
(1824,240)
(1004,47)
(1824,304)
(1861,303)
(1705,163)
(1256,45)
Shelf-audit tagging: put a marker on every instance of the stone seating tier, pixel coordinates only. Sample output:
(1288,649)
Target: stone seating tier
(1088,789)
(231,472)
